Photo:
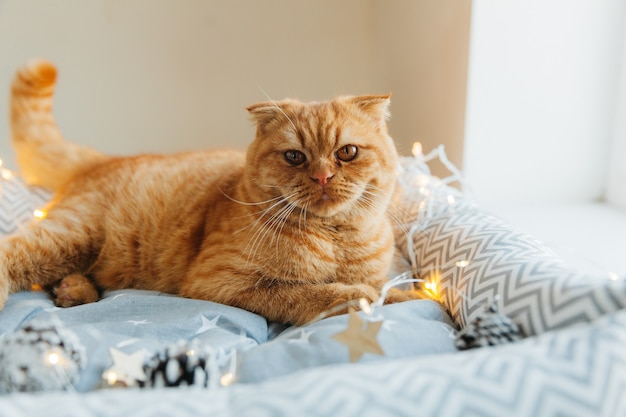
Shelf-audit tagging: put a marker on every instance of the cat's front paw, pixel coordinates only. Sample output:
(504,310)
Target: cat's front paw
(332,300)
(73,290)
(396,295)
(350,297)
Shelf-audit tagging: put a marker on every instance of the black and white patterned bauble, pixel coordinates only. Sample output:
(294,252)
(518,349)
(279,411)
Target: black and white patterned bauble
(182,363)
(489,328)
(43,355)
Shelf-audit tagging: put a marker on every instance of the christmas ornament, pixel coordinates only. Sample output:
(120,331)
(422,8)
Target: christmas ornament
(43,355)
(489,328)
(127,369)
(358,338)
(183,363)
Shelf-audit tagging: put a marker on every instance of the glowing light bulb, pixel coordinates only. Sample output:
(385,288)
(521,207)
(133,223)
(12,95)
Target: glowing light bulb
(431,287)
(451,200)
(7,174)
(365,306)
(417,149)
(40,214)
(462,264)
(613,276)
(53,358)
(227,379)
(111,377)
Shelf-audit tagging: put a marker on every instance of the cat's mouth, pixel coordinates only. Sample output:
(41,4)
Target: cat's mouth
(326,203)
(325,197)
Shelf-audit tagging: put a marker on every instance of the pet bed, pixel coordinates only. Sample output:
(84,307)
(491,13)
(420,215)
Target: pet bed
(146,353)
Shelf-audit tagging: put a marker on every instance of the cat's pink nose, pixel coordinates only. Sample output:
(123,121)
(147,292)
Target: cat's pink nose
(322,178)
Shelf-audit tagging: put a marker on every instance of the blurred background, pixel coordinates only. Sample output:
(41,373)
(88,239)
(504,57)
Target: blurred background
(172,75)
(528,96)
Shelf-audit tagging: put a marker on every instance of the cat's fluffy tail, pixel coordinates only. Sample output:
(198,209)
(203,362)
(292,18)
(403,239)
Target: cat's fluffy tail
(44,157)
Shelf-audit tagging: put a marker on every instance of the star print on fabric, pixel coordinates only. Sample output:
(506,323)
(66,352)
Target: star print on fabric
(303,338)
(127,342)
(359,339)
(138,322)
(208,324)
(387,324)
(127,369)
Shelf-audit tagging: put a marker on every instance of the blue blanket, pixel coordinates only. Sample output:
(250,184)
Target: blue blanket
(246,344)
(580,371)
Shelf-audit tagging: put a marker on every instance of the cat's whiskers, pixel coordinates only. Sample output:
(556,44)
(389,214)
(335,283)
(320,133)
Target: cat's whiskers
(263,212)
(302,216)
(396,213)
(250,203)
(277,217)
(246,203)
(259,224)
(370,202)
(283,220)
(275,104)
(367,199)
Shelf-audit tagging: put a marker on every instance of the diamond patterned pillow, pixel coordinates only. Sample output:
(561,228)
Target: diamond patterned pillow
(474,258)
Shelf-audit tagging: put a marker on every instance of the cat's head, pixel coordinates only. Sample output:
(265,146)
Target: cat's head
(330,158)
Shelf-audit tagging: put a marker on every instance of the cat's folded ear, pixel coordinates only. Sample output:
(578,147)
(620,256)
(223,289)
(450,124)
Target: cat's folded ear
(375,106)
(263,109)
(265,112)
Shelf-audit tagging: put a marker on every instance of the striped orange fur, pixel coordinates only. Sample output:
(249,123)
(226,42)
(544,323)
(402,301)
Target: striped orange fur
(290,229)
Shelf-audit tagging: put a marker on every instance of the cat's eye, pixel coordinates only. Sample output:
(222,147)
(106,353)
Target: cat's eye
(347,153)
(294,157)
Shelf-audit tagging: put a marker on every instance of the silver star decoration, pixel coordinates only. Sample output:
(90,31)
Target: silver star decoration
(127,369)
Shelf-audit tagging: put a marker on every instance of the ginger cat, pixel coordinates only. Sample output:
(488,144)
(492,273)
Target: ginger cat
(289,230)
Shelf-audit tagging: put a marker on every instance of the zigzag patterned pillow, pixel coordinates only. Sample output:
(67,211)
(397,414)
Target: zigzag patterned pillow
(17,204)
(475,258)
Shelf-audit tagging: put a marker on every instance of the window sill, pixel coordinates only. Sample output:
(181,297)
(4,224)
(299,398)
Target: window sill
(589,236)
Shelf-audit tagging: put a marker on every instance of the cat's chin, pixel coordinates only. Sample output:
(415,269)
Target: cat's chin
(327,207)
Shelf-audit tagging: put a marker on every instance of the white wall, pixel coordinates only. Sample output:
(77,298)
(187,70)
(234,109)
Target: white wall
(541,91)
(423,52)
(616,192)
(162,75)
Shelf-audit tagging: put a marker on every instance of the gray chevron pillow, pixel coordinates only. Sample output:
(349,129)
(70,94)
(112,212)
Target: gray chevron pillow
(475,258)
(18,203)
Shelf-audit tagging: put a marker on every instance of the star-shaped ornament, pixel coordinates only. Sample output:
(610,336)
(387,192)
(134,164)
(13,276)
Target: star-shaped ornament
(127,369)
(358,338)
